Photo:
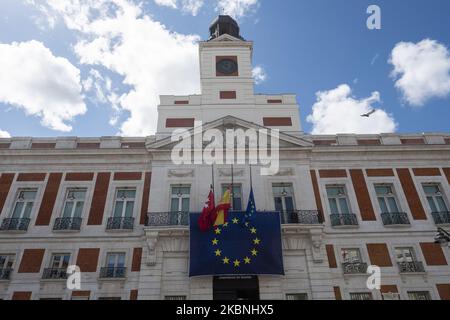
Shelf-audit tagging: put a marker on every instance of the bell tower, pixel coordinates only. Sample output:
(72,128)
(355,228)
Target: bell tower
(226,64)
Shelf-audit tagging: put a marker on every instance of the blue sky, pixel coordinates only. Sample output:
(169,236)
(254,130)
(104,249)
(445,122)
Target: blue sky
(304,47)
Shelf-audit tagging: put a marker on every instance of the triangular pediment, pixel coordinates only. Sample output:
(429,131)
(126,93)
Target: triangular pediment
(225,37)
(286,141)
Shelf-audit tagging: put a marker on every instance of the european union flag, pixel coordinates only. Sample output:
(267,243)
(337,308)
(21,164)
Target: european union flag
(251,208)
(237,248)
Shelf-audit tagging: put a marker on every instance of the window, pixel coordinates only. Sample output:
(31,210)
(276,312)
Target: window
(6,264)
(351,256)
(405,255)
(180,198)
(361,296)
(24,204)
(435,198)
(175,298)
(386,198)
(124,204)
(419,295)
(59,262)
(296,296)
(337,199)
(115,265)
(283,195)
(74,203)
(237,196)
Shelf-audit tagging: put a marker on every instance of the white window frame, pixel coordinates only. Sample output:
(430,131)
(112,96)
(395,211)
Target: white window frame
(75,201)
(9,257)
(283,197)
(17,200)
(179,198)
(345,196)
(125,202)
(442,195)
(60,254)
(385,197)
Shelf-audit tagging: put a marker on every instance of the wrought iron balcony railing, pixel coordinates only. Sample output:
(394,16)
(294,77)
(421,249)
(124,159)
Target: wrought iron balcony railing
(354,267)
(120,223)
(346,219)
(301,217)
(411,267)
(55,273)
(67,224)
(14,224)
(442,217)
(395,218)
(167,219)
(112,272)
(5,274)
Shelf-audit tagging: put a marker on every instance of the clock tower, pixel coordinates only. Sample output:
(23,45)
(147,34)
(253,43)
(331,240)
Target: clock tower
(226,64)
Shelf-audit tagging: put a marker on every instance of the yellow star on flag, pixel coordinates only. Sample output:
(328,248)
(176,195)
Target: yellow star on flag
(256,241)
(237,263)
(225,224)
(215,242)
(247,260)
(218,253)
(254,252)
(235,220)
(226,260)
(217,231)
(253,230)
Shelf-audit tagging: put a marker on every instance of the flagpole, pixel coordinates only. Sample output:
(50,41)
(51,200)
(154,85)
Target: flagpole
(212,176)
(232,185)
(251,177)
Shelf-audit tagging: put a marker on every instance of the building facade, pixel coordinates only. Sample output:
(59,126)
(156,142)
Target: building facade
(117,207)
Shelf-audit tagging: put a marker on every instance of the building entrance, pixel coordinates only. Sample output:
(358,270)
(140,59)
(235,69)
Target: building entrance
(236,288)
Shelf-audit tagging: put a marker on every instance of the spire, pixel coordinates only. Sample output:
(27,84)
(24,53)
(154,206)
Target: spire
(224,24)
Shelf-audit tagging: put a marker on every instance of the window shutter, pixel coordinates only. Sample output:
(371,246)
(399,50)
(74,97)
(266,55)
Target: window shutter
(87,260)
(379,254)
(31,261)
(433,254)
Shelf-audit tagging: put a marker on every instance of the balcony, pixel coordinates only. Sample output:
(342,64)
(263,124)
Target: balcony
(342,220)
(112,273)
(411,267)
(395,218)
(120,223)
(13,224)
(67,224)
(5,274)
(442,217)
(55,274)
(354,268)
(168,219)
(301,217)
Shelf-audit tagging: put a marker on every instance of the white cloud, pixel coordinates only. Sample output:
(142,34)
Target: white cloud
(237,8)
(152,60)
(336,111)
(421,70)
(259,74)
(4,134)
(188,6)
(33,79)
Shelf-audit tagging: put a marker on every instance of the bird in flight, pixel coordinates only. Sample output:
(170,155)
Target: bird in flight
(368,114)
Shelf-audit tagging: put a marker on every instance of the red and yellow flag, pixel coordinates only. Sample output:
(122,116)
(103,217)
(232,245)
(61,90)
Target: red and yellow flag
(223,208)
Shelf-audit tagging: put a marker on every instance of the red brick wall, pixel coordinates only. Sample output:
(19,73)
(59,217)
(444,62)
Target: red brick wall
(99,199)
(277,122)
(412,141)
(433,254)
(21,295)
(447,174)
(411,194)
(127,176)
(48,201)
(134,294)
(332,263)
(31,261)
(317,194)
(379,254)
(362,195)
(380,172)
(81,294)
(444,291)
(427,172)
(227,94)
(31,177)
(137,256)
(80,176)
(180,123)
(337,293)
(332,173)
(6,180)
(145,197)
(87,259)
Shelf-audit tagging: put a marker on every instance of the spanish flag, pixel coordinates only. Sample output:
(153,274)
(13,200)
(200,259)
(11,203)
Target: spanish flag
(223,208)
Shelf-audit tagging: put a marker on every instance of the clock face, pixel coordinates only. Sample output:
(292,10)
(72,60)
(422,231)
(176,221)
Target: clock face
(227,66)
